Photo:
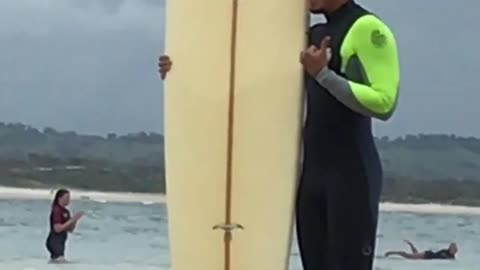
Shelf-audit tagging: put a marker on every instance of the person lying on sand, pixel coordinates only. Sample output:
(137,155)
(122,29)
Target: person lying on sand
(448,253)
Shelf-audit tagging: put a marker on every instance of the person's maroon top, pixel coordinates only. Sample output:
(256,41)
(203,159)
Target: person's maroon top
(59,215)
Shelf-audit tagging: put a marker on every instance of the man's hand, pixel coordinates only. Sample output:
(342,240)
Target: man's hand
(164,66)
(314,59)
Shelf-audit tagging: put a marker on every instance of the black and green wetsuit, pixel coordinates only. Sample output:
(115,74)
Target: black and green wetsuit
(339,192)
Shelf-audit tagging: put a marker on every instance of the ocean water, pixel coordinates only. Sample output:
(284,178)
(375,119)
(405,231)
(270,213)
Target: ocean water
(124,236)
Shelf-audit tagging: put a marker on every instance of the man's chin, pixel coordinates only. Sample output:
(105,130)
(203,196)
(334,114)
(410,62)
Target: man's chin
(316,11)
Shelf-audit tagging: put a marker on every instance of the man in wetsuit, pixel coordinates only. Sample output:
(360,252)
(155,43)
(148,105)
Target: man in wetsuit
(443,254)
(352,76)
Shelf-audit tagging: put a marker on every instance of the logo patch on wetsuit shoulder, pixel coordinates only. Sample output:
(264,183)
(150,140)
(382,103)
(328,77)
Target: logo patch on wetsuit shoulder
(378,39)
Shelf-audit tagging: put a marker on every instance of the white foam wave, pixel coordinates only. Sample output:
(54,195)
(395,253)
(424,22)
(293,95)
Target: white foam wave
(152,198)
(429,208)
(148,202)
(103,197)
(100,200)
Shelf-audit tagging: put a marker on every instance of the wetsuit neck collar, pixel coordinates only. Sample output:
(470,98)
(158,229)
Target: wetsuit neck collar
(340,12)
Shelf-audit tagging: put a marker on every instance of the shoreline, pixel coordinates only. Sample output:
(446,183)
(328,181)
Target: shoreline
(429,208)
(13,193)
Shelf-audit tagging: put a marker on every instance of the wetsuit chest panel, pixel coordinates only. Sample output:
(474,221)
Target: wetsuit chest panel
(59,215)
(441,254)
(325,112)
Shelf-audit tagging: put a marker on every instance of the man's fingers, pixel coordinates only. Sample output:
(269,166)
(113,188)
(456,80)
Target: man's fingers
(163,73)
(165,67)
(312,49)
(325,43)
(164,63)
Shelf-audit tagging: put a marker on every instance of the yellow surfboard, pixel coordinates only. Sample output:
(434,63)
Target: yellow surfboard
(233,114)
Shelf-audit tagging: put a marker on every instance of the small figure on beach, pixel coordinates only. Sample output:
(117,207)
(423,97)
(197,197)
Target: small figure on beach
(61,223)
(443,254)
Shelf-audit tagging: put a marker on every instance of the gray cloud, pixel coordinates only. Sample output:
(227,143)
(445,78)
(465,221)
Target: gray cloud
(81,65)
(90,65)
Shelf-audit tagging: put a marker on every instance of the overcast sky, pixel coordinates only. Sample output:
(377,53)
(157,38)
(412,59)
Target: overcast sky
(90,65)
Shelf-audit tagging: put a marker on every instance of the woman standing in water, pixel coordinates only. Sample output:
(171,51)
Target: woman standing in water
(61,223)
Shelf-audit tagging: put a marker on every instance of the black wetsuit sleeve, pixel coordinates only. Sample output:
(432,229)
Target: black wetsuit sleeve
(444,254)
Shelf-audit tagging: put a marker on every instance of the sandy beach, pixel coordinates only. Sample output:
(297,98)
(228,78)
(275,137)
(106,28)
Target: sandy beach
(47,194)
(429,208)
(150,198)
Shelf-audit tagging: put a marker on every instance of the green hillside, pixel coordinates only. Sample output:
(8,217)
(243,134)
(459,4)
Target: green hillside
(418,168)
(17,141)
(431,156)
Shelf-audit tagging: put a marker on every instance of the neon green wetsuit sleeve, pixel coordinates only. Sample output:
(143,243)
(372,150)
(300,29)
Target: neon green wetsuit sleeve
(370,69)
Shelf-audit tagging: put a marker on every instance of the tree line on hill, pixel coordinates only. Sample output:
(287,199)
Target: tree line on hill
(438,168)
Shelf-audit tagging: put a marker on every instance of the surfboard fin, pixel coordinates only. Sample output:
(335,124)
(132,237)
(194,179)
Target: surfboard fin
(228,227)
